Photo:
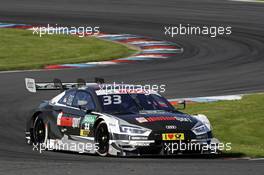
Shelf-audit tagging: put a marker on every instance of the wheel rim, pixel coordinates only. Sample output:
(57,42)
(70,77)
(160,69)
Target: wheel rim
(39,131)
(102,136)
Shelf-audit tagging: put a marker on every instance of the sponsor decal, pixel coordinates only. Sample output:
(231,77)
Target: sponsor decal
(30,84)
(84,132)
(68,121)
(173,136)
(89,119)
(154,119)
(70,99)
(87,124)
(138,138)
(59,118)
(141,119)
(162,118)
(183,119)
(133,91)
(76,122)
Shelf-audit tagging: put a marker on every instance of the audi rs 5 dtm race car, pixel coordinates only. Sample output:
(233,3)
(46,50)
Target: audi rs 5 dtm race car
(114,122)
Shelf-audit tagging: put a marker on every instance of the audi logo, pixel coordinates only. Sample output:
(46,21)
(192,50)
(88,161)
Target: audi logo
(171,127)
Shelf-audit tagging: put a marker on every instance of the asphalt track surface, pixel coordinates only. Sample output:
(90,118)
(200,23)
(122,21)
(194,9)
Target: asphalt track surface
(209,66)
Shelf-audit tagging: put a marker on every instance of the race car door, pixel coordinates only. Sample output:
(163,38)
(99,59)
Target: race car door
(72,116)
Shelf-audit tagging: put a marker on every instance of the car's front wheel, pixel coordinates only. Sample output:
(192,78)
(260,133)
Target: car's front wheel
(102,139)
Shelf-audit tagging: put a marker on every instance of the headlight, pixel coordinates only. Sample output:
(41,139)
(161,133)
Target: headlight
(132,130)
(199,129)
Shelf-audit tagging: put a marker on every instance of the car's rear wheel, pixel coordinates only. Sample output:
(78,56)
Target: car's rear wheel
(40,131)
(102,139)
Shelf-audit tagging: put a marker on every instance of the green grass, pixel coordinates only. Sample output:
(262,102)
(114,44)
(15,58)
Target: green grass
(20,49)
(239,122)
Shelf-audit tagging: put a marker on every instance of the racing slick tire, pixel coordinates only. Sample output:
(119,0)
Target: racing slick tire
(40,131)
(102,139)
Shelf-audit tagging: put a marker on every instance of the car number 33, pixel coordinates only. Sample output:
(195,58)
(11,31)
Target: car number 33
(115,99)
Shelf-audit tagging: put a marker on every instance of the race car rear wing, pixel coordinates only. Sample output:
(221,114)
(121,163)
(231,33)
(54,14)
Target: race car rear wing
(32,86)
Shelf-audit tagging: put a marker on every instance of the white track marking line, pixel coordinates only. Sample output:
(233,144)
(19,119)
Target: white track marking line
(247,1)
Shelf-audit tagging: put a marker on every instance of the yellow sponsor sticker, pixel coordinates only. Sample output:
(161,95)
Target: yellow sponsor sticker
(173,136)
(84,132)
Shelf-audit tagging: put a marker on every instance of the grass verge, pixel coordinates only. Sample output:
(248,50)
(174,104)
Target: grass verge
(239,122)
(20,49)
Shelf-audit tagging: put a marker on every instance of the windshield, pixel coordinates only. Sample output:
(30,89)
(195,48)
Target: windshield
(133,103)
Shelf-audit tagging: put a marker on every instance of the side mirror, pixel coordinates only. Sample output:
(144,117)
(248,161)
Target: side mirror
(182,105)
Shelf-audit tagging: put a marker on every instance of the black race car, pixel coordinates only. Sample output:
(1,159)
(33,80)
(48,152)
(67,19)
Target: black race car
(93,118)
